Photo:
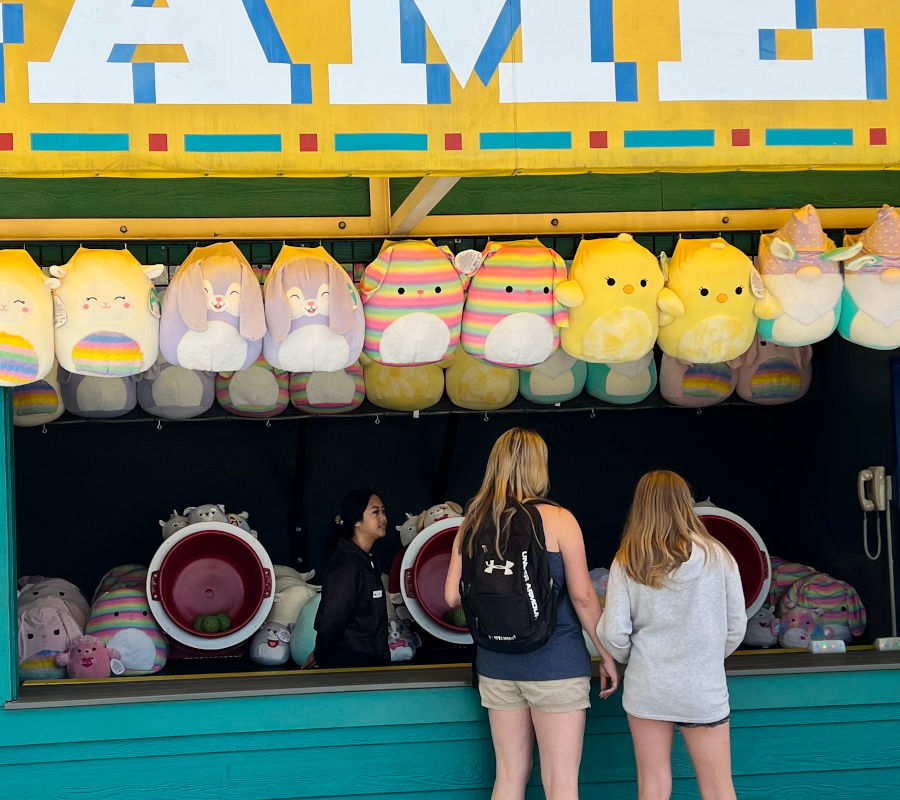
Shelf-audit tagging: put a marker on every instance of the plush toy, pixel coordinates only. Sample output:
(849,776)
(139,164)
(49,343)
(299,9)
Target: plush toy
(784,574)
(802,278)
(403,641)
(44,631)
(798,627)
(707,306)
(106,313)
(172,392)
(121,617)
(561,377)
(761,628)
(259,391)
(26,319)
(413,297)
(40,402)
(242,521)
(97,398)
(771,374)
(836,604)
(696,385)
(870,303)
(479,386)
(408,529)
(402,388)
(611,295)
(212,311)
(512,315)
(270,645)
(303,634)
(435,513)
(132,575)
(292,592)
(328,392)
(89,657)
(175,522)
(624,383)
(34,589)
(314,317)
(209,512)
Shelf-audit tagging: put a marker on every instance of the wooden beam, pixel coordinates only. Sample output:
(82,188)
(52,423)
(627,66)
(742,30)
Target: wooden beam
(380,205)
(427,193)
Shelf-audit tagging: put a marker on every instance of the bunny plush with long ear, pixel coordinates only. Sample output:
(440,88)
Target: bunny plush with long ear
(212,311)
(26,319)
(106,313)
(314,316)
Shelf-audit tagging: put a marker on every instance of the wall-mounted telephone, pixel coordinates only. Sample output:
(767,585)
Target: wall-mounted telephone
(871,487)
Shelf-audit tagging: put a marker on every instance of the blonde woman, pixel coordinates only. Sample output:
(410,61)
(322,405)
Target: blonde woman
(674,611)
(544,692)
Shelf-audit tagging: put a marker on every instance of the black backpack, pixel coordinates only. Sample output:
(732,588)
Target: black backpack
(510,603)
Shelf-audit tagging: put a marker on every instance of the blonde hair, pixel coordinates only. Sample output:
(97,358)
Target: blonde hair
(517,469)
(661,528)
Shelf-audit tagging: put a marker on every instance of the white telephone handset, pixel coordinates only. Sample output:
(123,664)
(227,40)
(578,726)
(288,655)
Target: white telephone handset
(872,478)
(863,480)
(875,490)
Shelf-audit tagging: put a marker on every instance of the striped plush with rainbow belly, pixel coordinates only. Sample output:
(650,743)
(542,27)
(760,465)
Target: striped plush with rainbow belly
(413,296)
(512,315)
(26,319)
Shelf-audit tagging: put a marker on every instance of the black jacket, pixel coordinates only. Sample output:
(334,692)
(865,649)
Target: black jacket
(352,616)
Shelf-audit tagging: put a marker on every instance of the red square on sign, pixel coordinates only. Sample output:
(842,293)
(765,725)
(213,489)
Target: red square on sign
(877,135)
(452,141)
(740,137)
(309,142)
(159,142)
(599,140)
(6,141)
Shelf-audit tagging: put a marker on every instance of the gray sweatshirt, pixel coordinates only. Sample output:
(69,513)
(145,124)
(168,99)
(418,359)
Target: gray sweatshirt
(675,639)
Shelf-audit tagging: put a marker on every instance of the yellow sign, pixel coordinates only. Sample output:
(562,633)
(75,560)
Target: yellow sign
(477,87)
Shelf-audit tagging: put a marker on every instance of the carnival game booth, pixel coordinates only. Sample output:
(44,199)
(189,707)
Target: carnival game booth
(477,131)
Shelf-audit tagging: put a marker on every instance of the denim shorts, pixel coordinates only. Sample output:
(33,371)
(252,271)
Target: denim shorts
(703,724)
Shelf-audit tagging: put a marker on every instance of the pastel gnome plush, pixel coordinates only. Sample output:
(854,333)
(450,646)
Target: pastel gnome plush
(403,641)
(696,385)
(612,296)
(707,307)
(172,392)
(40,402)
(512,315)
(270,645)
(477,385)
(836,604)
(772,374)
(870,303)
(761,628)
(260,391)
(175,522)
(623,383)
(402,388)
(89,657)
(94,397)
(26,319)
(801,273)
(798,627)
(44,631)
(328,392)
(561,377)
(413,296)
(314,316)
(106,314)
(212,311)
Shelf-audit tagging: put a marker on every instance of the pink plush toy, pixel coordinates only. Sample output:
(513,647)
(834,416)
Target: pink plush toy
(44,631)
(88,657)
(834,602)
(798,627)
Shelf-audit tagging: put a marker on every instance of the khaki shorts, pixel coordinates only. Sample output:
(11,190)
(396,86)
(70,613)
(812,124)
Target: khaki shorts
(567,694)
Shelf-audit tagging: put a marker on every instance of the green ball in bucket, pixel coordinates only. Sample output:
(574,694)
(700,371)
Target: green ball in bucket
(456,617)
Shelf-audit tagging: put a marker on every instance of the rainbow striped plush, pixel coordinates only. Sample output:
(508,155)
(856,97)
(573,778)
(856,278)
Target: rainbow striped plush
(107,354)
(413,301)
(35,398)
(695,385)
(784,574)
(18,360)
(512,317)
(328,392)
(836,602)
(121,617)
(260,391)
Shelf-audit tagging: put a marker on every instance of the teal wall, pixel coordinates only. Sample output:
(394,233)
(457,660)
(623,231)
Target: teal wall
(825,735)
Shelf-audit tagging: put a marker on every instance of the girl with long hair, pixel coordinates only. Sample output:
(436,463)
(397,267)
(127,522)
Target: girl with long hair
(674,612)
(545,692)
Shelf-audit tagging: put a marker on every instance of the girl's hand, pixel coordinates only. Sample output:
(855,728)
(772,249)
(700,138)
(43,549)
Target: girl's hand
(609,675)
(310,661)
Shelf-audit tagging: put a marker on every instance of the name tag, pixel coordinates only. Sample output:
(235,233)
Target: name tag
(377,593)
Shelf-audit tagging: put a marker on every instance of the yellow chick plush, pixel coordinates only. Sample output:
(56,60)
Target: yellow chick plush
(476,385)
(707,308)
(402,388)
(611,296)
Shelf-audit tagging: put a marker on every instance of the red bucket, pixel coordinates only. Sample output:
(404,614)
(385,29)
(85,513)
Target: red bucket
(424,581)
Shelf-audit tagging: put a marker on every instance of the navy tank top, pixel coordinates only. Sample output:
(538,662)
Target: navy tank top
(565,654)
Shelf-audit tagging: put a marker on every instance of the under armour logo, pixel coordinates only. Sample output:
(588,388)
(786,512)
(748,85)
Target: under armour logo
(490,566)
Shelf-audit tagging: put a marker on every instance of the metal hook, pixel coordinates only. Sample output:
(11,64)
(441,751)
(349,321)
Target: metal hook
(699,411)
(378,419)
(593,413)
(268,423)
(159,424)
(486,418)
(43,428)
